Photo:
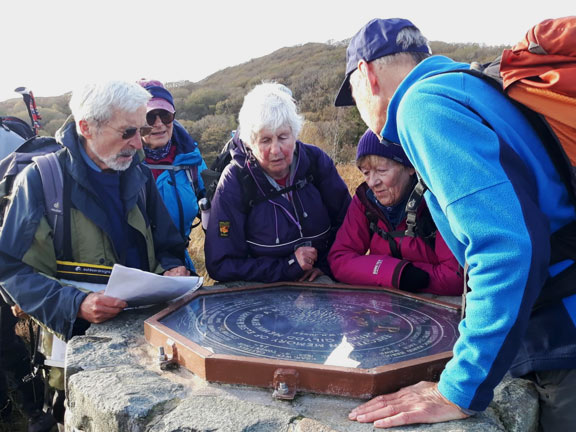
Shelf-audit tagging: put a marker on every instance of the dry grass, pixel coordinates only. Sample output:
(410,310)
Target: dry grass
(352,177)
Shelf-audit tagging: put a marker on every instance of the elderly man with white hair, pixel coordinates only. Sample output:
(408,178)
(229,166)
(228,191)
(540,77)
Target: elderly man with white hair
(112,213)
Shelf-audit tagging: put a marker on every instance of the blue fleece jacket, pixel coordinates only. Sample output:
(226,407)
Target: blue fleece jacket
(496,198)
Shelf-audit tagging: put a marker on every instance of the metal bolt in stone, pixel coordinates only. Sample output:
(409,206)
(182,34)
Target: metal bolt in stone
(161,354)
(282,388)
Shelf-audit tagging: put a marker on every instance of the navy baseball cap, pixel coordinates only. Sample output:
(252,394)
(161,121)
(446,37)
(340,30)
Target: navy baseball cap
(376,39)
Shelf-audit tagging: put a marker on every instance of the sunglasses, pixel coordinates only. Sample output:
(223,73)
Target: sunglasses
(131,131)
(166,117)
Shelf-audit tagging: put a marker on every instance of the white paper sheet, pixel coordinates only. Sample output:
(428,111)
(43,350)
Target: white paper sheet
(341,355)
(57,355)
(140,288)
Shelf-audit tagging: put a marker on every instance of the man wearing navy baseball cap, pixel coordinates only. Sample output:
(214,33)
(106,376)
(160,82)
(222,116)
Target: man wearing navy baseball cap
(498,202)
(377,39)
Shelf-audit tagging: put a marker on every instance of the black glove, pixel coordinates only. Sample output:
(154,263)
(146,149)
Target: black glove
(413,279)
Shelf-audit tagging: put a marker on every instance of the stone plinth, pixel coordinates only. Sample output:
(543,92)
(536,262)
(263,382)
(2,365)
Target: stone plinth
(114,383)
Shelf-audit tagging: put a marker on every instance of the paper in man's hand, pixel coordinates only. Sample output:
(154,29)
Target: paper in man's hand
(140,288)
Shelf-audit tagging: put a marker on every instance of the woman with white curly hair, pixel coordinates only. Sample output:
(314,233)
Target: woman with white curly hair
(279,203)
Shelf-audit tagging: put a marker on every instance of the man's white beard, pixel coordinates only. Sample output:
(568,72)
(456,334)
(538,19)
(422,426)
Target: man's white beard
(113,163)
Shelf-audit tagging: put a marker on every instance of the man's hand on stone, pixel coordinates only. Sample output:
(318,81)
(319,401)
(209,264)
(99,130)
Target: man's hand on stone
(98,307)
(418,403)
(177,271)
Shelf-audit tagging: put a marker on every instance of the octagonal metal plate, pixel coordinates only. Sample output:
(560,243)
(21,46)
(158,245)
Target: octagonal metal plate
(332,339)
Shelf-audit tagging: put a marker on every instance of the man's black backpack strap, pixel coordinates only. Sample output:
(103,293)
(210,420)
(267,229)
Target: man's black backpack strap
(211,176)
(53,185)
(557,288)
(562,247)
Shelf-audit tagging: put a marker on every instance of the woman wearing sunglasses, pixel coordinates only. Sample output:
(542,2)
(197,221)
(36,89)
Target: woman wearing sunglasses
(174,158)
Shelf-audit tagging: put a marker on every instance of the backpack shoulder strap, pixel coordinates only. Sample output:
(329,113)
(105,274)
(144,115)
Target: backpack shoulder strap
(312,173)
(53,185)
(248,186)
(373,216)
(211,176)
(311,177)
(192,174)
(191,171)
(175,168)
(143,194)
(414,200)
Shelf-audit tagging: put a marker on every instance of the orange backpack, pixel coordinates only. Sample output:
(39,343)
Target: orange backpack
(539,73)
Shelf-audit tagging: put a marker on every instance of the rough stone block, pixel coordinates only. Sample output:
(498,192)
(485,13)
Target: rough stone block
(123,398)
(210,413)
(114,384)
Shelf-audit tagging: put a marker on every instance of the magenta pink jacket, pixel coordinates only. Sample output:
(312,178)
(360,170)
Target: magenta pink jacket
(350,264)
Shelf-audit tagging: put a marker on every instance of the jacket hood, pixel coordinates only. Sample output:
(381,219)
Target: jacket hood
(431,66)
(66,133)
(184,142)
(68,137)
(187,151)
(239,151)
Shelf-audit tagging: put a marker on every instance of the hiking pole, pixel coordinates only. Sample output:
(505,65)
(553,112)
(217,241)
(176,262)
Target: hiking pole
(30,102)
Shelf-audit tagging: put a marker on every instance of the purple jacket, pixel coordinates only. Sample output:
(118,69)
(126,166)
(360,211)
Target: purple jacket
(257,243)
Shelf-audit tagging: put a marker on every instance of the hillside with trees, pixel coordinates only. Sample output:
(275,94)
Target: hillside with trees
(209,108)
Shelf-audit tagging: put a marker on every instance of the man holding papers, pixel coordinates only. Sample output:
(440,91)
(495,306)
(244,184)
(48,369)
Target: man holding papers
(112,213)
(106,210)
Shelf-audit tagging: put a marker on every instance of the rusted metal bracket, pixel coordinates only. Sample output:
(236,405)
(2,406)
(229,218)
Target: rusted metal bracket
(285,383)
(168,362)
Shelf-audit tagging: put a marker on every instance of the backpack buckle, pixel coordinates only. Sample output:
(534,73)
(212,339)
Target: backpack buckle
(411,224)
